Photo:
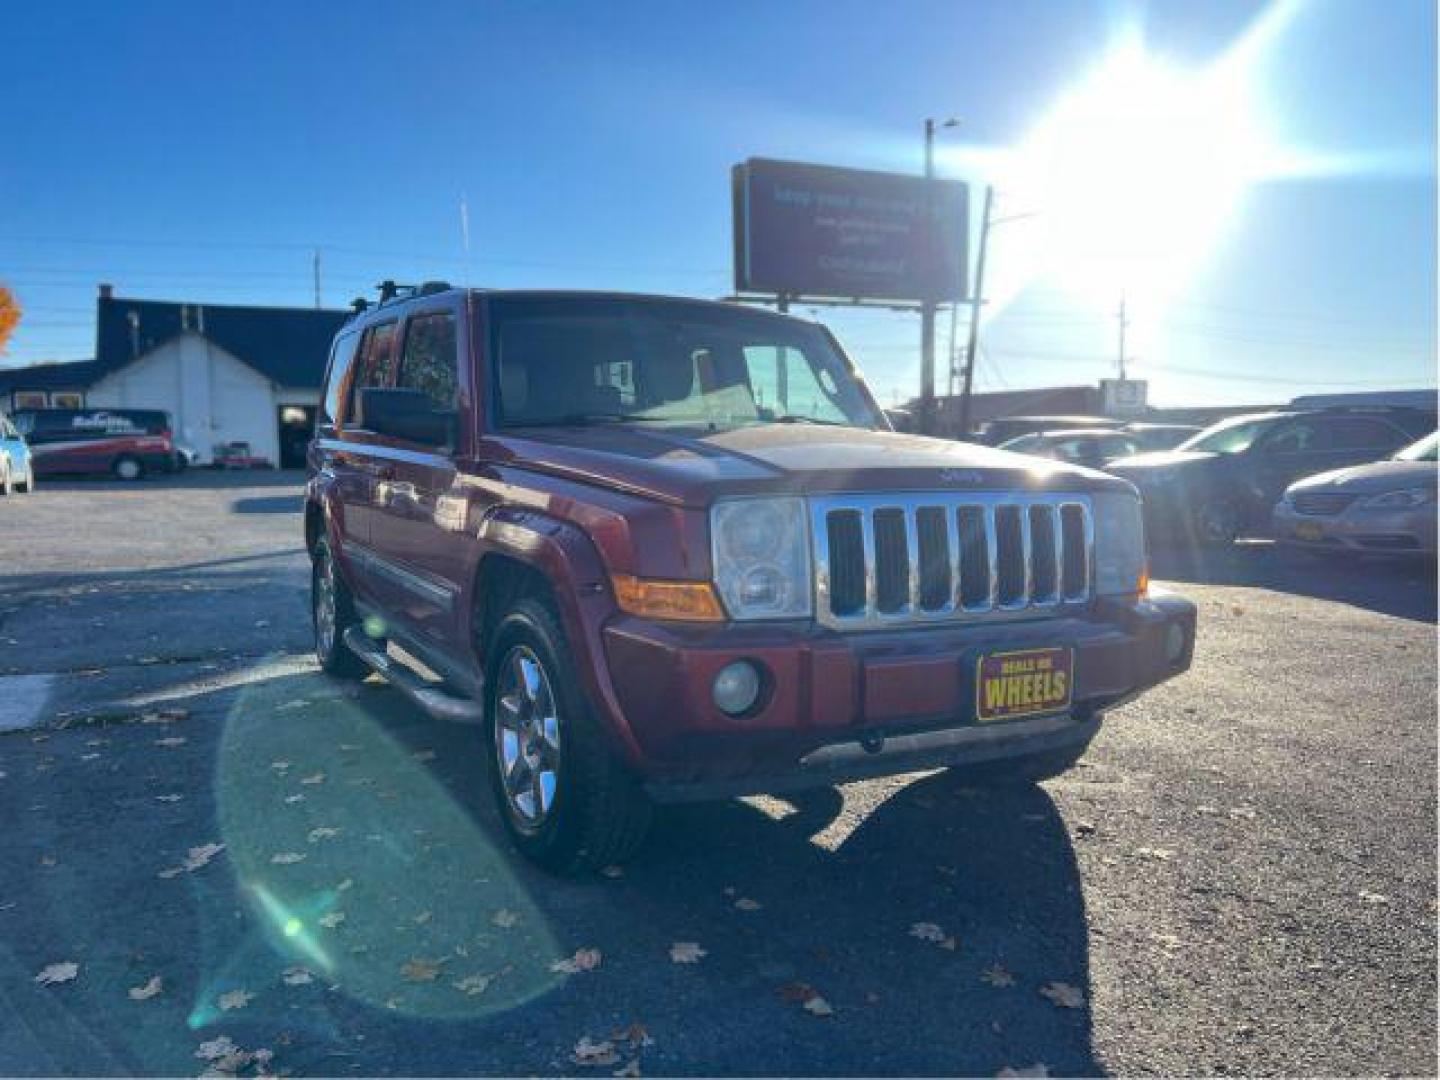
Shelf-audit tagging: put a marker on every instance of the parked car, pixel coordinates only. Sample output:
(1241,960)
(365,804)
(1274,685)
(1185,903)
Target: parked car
(1159,436)
(664,549)
(1225,480)
(1380,509)
(1089,447)
(1004,428)
(17,471)
(127,443)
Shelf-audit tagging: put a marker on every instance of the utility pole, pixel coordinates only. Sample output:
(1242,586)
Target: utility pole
(1123,323)
(927,305)
(315,269)
(976,301)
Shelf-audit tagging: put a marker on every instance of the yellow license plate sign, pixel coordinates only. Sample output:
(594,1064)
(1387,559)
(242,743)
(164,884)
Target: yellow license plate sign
(1010,685)
(1309,530)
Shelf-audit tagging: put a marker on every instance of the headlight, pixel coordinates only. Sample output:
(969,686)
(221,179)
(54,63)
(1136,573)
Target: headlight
(1119,545)
(1405,499)
(761,554)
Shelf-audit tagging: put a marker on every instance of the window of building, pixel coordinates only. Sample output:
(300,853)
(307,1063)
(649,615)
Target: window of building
(429,361)
(376,368)
(29,399)
(67,399)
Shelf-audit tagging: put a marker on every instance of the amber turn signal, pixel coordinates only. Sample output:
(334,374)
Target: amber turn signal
(1144,582)
(692,601)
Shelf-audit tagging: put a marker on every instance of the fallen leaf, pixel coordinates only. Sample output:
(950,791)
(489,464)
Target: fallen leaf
(589,1052)
(635,1035)
(1373,897)
(173,740)
(146,992)
(332,920)
(235,999)
(216,1048)
(630,1070)
(927,931)
(349,747)
(168,798)
(344,885)
(686,952)
(423,918)
(1155,854)
(1025,1070)
(294,798)
(473,985)
(287,858)
(818,1006)
(58,973)
(583,960)
(997,976)
(423,755)
(612,871)
(88,757)
(171,872)
(317,778)
(1063,995)
(417,970)
(324,832)
(746,904)
(164,716)
(505,918)
(280,766)
(198,857)
(297,976)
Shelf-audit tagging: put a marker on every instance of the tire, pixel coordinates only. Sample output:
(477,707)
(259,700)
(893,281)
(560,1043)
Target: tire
(332,612)
(127,468)
(7,482)
(29,486)
(1217,523)
(538,723)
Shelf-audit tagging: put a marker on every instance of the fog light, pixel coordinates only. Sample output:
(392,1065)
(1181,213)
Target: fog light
(737,688)
(1174,643)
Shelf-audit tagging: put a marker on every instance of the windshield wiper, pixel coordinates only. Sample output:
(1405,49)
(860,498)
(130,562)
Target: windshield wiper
(587,419)
(796,419)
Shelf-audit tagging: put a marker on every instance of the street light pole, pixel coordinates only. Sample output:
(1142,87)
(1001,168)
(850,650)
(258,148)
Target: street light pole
(929,303)
(975,303)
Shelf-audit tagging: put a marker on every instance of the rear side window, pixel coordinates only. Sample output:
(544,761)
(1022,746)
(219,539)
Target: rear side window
(429,361)
(1360,433)
(340,360)
(376,368)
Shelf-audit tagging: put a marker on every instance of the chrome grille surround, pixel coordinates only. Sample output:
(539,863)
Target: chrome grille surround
(852,563)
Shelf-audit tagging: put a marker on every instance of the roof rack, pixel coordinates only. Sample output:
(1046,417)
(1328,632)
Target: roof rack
(392,292)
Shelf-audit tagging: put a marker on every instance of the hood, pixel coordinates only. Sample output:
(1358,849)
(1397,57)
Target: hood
(1161,459)
(692,467)
(1373,479)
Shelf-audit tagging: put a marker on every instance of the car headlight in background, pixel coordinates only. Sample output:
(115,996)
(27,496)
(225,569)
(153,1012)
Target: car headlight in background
(1119,545)
(1405,499)
(761,554)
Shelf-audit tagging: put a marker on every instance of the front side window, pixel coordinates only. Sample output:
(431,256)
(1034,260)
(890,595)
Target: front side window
(375,368)
(566,360)
(429,361)
(1227,437)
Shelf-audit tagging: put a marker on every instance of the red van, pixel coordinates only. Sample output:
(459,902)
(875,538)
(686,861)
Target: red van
(127,443)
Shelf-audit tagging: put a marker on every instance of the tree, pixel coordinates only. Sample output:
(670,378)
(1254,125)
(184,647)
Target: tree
(9,316)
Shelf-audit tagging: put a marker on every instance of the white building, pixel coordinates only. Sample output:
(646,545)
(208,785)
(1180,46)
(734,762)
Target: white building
(225,374)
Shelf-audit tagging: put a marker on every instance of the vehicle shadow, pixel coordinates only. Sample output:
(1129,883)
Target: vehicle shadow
(362,846)
(1405,588)
(194,479)
(269,504)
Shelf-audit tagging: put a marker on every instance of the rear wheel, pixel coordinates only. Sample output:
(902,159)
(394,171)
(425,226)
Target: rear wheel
(127,468)
(29,485)
(565,800)
(332,612)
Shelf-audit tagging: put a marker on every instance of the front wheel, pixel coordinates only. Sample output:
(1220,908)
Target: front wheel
(1217,523)
(565,800)
(127,468)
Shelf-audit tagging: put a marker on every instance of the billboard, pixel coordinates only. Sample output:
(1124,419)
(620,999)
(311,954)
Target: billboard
(1120,397)
(823,232)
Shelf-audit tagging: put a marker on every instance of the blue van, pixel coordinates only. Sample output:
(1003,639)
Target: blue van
(17,473)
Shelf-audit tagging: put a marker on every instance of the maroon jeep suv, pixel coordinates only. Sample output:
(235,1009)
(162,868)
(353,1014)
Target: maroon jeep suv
(662,549)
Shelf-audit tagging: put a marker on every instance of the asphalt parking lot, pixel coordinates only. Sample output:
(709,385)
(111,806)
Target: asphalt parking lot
(1240,877)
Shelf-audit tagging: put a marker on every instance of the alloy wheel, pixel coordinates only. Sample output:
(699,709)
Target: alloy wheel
(527,737)
(325,606)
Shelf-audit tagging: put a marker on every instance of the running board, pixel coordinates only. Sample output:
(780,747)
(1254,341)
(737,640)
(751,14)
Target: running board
(435,701)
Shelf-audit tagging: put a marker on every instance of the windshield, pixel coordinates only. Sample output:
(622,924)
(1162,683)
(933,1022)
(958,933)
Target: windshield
(1424,450)
(1228,436)
(566,360)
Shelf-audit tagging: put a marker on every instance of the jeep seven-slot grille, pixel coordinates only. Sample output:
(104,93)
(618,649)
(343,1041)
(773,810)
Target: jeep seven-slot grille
(884,559)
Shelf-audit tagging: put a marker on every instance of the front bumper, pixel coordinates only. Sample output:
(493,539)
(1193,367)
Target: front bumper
(1371,532)
(841,705)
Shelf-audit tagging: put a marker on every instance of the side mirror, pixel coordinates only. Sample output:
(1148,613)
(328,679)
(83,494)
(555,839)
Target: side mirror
(407,414)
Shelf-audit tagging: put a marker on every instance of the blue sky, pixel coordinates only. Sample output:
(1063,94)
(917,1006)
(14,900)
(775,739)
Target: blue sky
(204,151)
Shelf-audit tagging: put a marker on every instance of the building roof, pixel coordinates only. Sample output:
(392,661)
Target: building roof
(71,375)
(289,346)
